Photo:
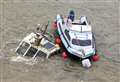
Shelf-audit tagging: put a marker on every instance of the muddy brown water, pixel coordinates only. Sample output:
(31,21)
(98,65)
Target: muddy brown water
(20,17)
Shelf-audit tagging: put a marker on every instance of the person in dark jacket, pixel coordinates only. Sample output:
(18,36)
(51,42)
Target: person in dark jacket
(71,15)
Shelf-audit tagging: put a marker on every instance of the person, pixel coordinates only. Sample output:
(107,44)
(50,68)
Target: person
(71,15)
(38,39)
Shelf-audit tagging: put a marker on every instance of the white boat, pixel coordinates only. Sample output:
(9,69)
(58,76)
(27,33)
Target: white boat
(36,44)
(77,37)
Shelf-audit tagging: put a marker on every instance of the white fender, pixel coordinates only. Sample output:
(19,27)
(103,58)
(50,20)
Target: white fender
(86,63)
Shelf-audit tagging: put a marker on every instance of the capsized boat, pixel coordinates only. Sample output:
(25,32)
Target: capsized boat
(37,44)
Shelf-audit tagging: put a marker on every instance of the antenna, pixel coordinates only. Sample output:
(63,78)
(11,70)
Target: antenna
(46,26)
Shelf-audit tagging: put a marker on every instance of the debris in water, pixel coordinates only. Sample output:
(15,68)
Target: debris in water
(29,61)
(2,56)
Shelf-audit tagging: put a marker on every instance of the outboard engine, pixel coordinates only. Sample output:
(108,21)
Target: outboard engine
(83,20)
(71,15)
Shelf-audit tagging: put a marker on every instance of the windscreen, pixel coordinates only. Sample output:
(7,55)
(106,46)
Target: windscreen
(31,52)
(49,45)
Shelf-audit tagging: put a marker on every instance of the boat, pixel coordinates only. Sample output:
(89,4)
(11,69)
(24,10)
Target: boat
(77,37)
(37,44)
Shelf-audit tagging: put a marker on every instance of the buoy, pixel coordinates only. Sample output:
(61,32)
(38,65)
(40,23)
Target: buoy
(54,25)
(64,55)
(58,40)
(95,57)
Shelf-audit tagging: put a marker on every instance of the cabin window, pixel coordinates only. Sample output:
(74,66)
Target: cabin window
(22,49)
(41,54)
(31,52)
(48,45)
(76,23)
(81,42)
